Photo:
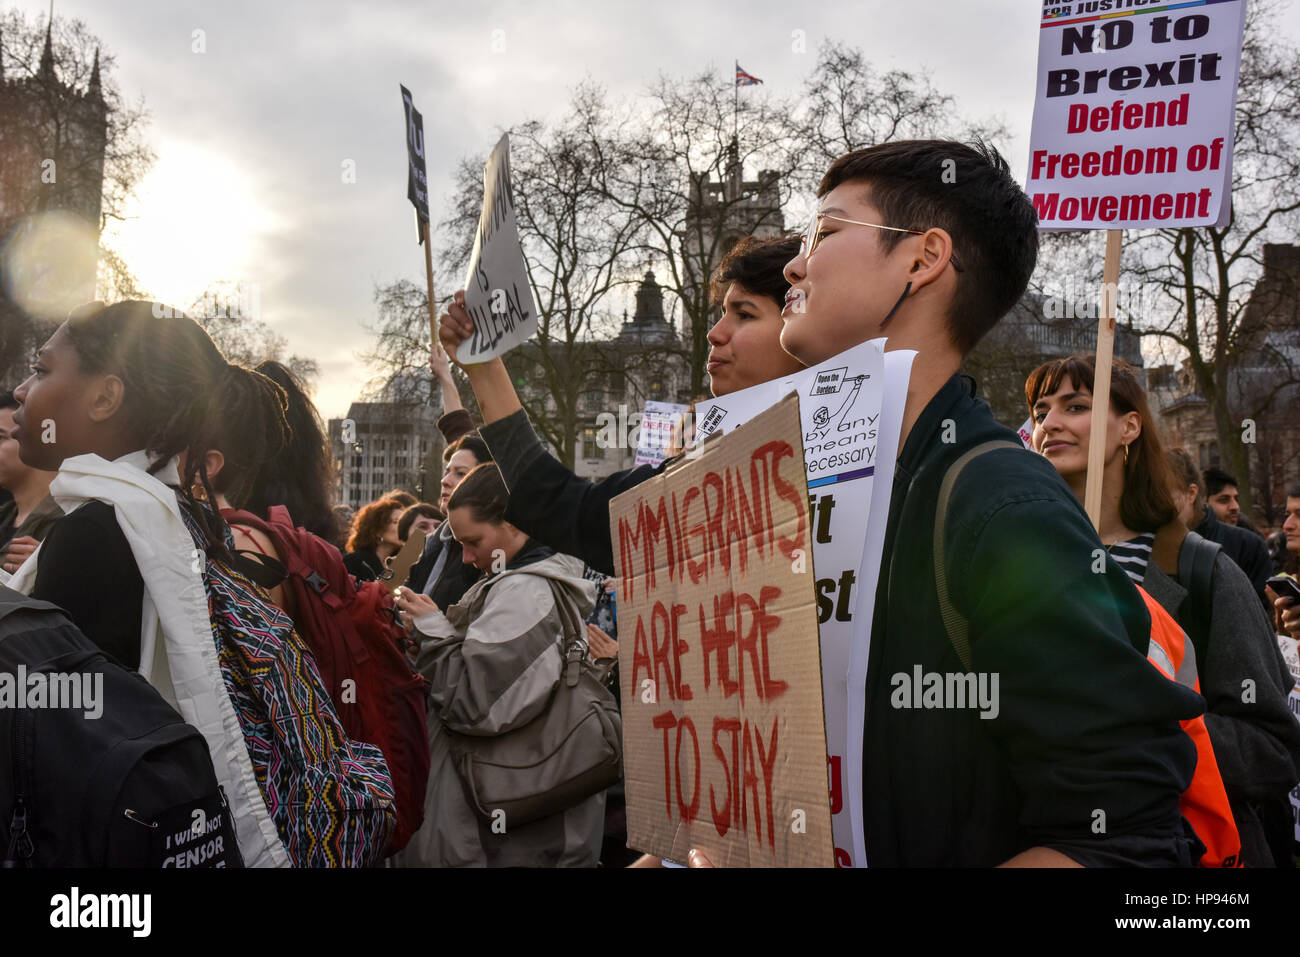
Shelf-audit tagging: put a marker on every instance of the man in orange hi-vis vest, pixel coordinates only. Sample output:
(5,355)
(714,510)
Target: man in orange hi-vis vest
(1205,802)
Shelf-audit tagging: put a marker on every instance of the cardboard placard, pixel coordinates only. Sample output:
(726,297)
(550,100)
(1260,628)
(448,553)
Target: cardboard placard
(840,404)
(1134,114)
(723,729)
(498,295)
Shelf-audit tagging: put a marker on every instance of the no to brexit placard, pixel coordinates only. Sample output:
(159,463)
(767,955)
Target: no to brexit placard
(1133,117)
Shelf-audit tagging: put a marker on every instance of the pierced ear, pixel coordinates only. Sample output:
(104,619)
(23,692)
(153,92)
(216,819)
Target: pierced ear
(1130,427)
(107,398)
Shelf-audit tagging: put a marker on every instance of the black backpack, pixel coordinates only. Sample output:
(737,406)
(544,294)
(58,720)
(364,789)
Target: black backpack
(133,787)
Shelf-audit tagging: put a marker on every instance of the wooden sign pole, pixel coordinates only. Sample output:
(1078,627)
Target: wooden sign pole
(1101,380)
(428,275)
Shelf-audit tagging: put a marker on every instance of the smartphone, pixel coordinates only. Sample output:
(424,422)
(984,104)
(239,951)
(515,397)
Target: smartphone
(1285,587)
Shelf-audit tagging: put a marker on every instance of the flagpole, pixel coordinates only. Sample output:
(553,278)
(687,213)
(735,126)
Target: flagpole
(735,110)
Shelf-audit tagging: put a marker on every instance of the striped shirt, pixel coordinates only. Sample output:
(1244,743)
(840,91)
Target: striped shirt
(1133,555)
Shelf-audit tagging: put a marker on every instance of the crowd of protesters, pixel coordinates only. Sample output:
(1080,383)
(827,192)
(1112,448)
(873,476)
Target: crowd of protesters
(175,510)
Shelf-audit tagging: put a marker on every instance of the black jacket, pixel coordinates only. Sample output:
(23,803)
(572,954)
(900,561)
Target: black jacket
(1086,755)
(549,502)
(1085,724)
(1244,547)
(1256,739)
(364,563)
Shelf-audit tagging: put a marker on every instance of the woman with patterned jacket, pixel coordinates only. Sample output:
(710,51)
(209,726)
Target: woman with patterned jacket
(133,396)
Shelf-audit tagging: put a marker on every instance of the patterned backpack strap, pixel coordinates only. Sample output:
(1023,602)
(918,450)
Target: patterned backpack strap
(331,798)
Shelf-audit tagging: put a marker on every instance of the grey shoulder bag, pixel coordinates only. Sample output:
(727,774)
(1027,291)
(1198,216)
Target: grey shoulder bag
(569,752)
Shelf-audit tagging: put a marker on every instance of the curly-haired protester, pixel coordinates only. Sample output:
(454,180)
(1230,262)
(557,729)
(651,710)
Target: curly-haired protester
(494,663)
(1243,676)
(125,401)
(374,538)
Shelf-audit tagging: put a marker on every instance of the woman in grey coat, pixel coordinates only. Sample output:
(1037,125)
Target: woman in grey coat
(493,661)
(1243,677)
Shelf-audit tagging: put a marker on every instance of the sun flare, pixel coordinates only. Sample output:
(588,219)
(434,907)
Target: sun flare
(196,222)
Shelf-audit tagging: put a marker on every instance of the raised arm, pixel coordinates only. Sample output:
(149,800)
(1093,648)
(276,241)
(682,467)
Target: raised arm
(568,513)
(490,380)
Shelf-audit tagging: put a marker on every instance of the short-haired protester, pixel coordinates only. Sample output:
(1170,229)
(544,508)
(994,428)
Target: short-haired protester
(493,662)
(420,517)
(141,563)
(569,513)
(374,539)
(1256,739)
(933,260)
(1244,547)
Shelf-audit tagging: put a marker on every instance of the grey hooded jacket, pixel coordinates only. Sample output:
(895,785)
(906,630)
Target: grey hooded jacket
(493,662)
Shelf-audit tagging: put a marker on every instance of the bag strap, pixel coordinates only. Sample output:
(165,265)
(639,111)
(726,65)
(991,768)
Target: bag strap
(1196,561)
(266,570)
(572,634)
(954,622)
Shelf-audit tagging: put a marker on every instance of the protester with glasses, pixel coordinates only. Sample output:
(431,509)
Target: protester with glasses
(1084,721)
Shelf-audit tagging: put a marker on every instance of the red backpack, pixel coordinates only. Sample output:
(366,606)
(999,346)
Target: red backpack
(356,641)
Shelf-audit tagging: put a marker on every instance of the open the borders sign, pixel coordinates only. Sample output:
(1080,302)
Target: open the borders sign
(1133,117)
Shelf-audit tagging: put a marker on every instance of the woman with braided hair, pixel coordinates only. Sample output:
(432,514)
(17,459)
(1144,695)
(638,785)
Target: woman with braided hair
(122,384)
(125,401)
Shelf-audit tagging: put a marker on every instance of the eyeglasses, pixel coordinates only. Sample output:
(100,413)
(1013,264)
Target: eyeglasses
(812,238)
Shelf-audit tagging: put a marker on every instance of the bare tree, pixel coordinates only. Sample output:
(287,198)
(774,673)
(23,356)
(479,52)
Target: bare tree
(1201,279)
(848,104)
(681,175)
(68,141)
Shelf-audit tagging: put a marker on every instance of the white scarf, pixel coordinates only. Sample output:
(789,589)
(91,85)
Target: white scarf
(184,666)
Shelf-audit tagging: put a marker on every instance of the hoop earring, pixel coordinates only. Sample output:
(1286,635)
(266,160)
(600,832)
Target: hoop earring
(1126,456)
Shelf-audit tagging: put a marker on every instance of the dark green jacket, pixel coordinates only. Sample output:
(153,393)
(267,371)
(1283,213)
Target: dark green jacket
(1085,755)
(1085,724)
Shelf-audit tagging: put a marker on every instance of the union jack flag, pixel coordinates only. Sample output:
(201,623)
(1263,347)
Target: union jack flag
(744,79)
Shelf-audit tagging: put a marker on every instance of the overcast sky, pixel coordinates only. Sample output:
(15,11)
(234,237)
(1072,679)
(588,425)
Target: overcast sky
(251,135)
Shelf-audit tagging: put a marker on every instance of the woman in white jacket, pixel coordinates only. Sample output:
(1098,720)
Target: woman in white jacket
(125,401)
(494,662)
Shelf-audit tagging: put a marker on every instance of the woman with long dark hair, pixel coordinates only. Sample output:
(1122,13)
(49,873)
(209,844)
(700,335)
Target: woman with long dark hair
(1256,739)
(125,401)
(301,475)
